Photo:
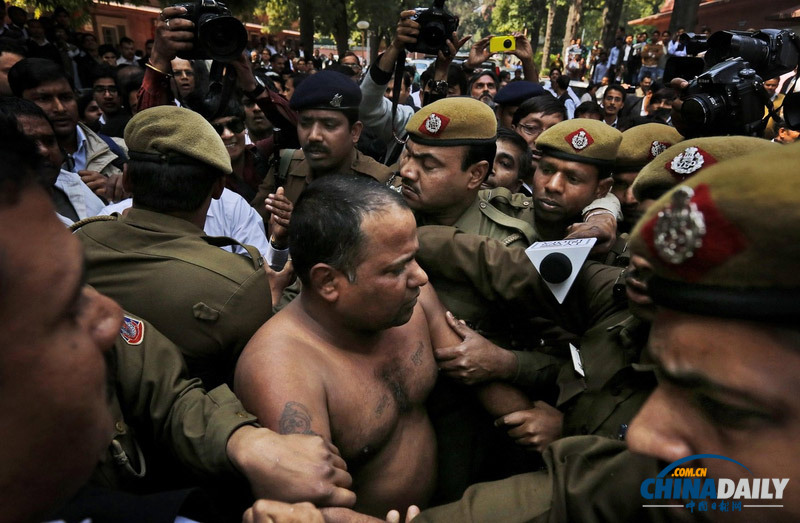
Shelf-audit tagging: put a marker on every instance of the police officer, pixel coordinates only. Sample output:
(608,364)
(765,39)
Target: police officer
(722,251)
(328,130)
(639,146)
(157,261)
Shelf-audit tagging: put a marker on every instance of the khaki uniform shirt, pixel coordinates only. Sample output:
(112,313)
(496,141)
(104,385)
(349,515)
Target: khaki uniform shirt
(299,176)
(206,300)
(156,406)
(586,480)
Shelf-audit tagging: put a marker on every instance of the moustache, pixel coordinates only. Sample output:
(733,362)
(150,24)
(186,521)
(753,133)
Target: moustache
(316,149)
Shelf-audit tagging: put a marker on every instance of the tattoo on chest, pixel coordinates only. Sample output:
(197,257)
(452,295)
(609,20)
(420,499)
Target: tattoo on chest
(382,405)
(393,378)
(295,419)
(416,358)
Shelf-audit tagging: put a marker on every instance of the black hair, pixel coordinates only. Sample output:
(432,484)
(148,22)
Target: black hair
(588,108)
(171,187)
(104,70)
(525,168)
(326,222)
(17,107)
(477,152)
(125,40)
(210,110)
(107,48)
(30,73)
(544,103)
(562,82)
(9,45)
(456,76)
(22,163)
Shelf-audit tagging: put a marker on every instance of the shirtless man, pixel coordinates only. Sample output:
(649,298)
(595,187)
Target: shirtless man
(352,358)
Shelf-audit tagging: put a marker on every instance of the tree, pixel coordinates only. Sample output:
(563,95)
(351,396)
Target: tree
(611,15)
(684,14)
(548,34)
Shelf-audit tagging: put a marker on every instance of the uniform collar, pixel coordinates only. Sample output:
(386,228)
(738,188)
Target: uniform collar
(159,222)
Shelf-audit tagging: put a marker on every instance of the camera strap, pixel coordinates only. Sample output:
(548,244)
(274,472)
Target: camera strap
(399,69)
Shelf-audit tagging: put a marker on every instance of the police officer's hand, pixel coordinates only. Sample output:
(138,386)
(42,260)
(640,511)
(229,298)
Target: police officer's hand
(476,359)
(291,467)
(268,511)
(173,35)
(535,428)
(602,226)
(394,516)
(280,209)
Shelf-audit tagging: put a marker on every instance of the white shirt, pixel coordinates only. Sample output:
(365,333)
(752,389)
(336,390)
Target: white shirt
(230,216)
(85,202)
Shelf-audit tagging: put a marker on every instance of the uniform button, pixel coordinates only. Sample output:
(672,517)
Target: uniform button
(483,205)
(241,414)
(526,203)
(120,426)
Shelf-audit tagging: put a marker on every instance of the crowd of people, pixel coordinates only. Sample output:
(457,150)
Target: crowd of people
(309,298)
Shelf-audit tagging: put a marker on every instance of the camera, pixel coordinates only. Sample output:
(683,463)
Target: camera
(729,98)
(436,27)
(502,44)
(217,34)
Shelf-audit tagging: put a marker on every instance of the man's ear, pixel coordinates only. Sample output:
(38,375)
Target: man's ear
(126,180)
(217,188)
(478,172)
(603,187)
(355,131)
(325,281)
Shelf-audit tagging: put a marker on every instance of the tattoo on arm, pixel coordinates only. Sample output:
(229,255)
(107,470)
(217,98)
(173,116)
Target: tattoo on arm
(295,419)
(417,356)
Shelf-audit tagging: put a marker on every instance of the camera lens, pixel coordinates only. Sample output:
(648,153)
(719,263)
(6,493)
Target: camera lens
(223,37)
(702,109)
(507,43)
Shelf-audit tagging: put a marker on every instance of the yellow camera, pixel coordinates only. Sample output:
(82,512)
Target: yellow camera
(502,44)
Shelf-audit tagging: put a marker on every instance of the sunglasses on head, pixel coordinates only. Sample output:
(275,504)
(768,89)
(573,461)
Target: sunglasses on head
(235,125)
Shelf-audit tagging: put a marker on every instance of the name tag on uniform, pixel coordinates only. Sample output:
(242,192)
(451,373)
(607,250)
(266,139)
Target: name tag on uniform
(576,359)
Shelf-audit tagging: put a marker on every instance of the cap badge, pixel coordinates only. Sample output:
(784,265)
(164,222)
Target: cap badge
(336,101)
(657,148)
(680,228)
(132,330)
(434,124)
(579,139)
(691,160)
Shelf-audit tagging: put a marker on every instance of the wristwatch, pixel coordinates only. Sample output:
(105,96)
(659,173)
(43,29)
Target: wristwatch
(439,88)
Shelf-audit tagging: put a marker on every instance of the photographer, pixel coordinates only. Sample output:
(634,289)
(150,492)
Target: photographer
(375,110)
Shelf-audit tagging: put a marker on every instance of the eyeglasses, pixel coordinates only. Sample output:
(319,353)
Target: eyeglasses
(234,125)
(530,130)
(100,89)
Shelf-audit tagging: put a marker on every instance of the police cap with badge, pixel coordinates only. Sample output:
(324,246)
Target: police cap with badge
(326,90)
(174,135)
(581,140)
(641,144)
(453,121)
(726,241)
(688,158)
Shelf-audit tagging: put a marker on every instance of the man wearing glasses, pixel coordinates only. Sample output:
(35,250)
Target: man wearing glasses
(106,94)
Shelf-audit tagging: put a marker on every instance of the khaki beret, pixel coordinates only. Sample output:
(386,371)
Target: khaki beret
(581,140)
(453,121)
(726,242)
(171,134)
(688,158)
(642,143)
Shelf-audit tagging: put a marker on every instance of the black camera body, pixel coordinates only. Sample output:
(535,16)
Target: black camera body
(729,98)
(726,99)
(436,27)
(217,34)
